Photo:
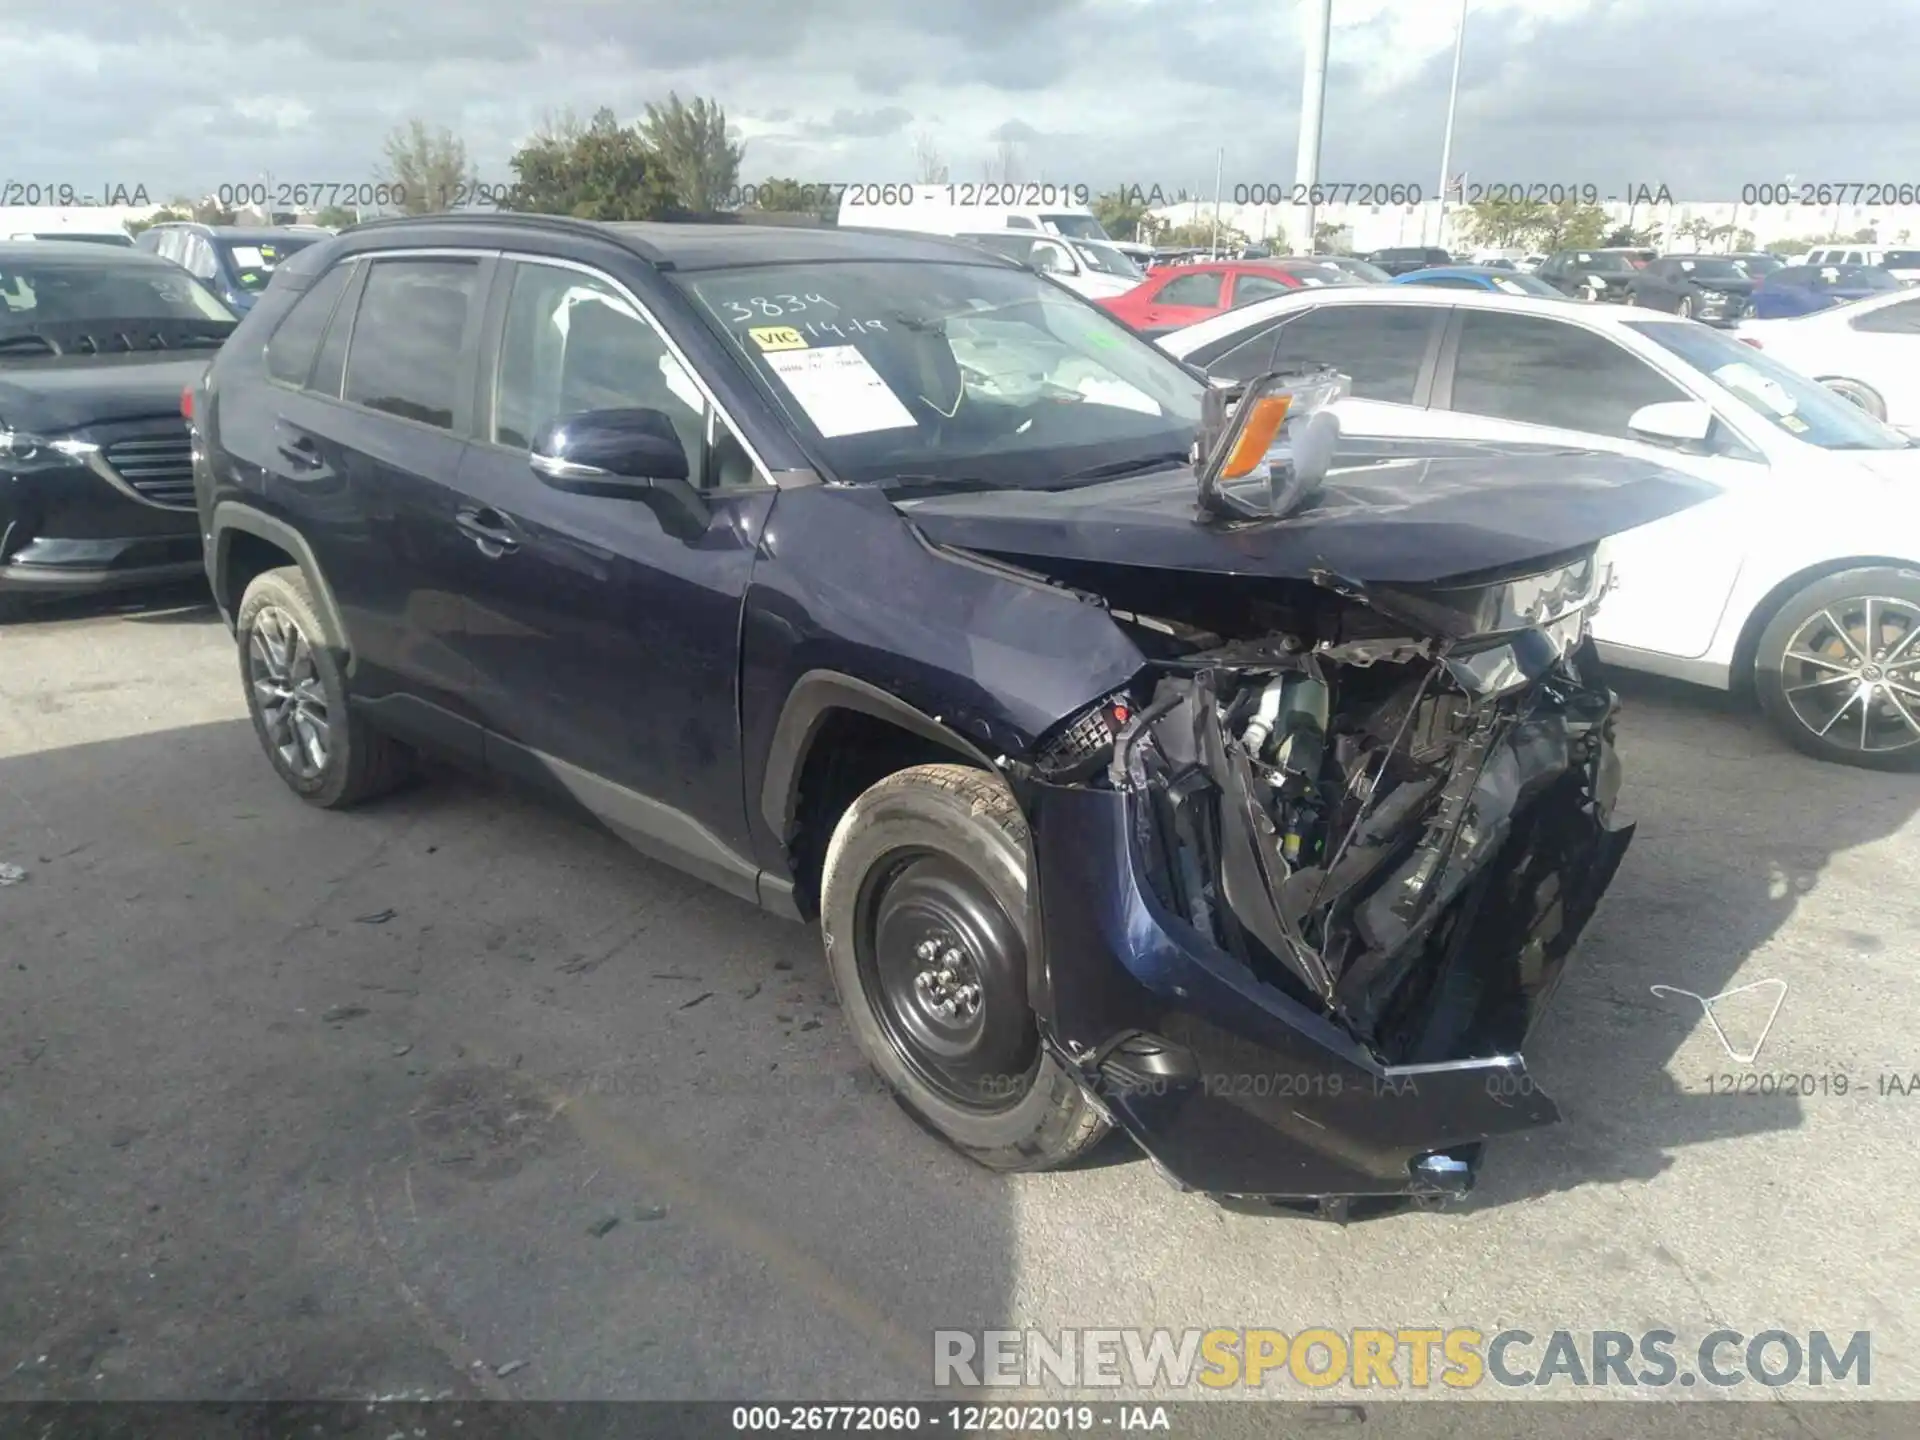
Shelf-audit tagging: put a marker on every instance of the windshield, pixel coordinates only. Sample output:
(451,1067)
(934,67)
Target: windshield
(1716,269)
(1080,227)
(1605,263)
(969,374)
(1762,264)
(1804,408)
(1519,283)
(1361,268)
(253,262)
(69,291)
(1105,259)
(1311,273)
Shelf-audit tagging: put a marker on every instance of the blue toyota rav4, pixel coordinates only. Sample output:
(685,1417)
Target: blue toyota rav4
(1148,755)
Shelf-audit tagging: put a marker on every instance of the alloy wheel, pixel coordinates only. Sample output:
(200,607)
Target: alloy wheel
(288,691)
(1851,674)
(945,968)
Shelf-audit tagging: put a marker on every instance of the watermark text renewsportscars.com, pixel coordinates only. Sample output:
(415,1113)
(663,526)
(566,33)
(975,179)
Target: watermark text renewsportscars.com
(1402,1358)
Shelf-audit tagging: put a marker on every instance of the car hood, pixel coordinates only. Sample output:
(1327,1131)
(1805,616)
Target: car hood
(1727,287)
(67,392)
(1902,466)
(1388,513)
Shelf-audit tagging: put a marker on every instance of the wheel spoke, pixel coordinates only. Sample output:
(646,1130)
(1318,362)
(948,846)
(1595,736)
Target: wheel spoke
(1821,684)
(1841,631)
(1913,629)
(1906,715)
(1845,705)
(1807,657)
(1869,632)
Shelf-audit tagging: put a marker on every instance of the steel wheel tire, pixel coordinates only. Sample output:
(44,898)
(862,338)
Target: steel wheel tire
(1837,669)
(325,752)
(1853,391)
(924,913)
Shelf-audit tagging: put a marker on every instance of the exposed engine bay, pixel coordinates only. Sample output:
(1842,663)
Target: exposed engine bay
(1377,806)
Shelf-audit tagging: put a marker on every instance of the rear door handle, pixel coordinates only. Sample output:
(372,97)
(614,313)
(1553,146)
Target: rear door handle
(298,448)
(491,532)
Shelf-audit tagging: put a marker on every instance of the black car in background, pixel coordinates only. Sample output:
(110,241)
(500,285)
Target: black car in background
(1131,750)
(1717,288)
(236,262)
(1603,275)
(97,345)
(1405,259)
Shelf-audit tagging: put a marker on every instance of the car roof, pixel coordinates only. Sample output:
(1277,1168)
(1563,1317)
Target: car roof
(686,245)
(39,252)
(1476,272)
(1249,317)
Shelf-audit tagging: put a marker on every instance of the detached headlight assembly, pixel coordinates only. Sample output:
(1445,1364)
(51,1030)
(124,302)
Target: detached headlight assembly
(24,453)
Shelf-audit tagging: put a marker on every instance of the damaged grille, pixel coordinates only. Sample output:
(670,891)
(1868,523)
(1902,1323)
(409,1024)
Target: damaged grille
(158,467)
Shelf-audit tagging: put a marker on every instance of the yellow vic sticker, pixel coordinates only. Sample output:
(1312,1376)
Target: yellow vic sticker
(778,337)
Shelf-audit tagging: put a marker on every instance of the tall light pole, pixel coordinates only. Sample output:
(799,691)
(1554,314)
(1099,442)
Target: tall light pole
(1446,145)
(1313,105)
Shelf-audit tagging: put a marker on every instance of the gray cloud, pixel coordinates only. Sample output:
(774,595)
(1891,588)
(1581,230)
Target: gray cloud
(1701,95)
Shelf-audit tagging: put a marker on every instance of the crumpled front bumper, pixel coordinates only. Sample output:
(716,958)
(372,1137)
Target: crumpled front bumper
(1237,1088)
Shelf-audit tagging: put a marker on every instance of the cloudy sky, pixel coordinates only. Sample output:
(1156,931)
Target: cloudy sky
(1701,95)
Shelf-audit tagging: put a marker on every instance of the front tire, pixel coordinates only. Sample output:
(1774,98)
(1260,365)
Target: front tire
(325,752)
(924,912)
(1837,670)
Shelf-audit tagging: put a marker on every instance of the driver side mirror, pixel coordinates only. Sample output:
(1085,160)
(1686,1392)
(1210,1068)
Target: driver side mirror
(622,455)
(1682,424)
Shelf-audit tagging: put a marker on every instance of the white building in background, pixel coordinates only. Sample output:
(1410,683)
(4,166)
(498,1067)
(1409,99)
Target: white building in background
(51,219)
(1364,228)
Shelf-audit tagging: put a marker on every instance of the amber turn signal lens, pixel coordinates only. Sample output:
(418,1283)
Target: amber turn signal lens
(1256,436)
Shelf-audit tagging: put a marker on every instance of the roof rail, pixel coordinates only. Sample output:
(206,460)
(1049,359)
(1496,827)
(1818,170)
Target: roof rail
(520,219)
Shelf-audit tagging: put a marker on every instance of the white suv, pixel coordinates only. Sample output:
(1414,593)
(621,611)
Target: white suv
(1802,579)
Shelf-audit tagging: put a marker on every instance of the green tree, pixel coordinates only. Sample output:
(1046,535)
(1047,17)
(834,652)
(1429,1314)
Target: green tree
(211,212)
(1328,239)
(1199,236)
(428,169)
(1635,237)
(1571,225)
(1505,224)
(1119,213)
(698,161)
(337,217)
(793,197)
(602,170)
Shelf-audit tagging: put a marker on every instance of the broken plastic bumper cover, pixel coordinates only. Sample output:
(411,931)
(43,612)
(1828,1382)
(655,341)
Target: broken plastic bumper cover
(1379,1070)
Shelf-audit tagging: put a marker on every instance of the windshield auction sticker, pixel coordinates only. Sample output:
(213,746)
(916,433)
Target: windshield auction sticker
(841,393)
(778,337)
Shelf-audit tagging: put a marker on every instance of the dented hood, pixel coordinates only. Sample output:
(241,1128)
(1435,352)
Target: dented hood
(1390,512)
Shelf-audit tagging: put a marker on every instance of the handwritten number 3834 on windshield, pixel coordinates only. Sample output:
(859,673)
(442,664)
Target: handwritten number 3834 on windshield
(772,307)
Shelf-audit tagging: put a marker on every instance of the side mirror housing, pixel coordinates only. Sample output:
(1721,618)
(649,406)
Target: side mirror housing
(1685,424)
(622,455)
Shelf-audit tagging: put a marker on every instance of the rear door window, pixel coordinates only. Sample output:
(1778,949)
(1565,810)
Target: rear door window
(1547,372)
(1201,290)
(407,356)
(296,340)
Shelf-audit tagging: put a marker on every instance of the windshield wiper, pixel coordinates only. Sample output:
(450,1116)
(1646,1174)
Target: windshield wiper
(1139,466)
(936,484)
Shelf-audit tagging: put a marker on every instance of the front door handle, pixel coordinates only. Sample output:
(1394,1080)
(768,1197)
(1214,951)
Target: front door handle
(491,532)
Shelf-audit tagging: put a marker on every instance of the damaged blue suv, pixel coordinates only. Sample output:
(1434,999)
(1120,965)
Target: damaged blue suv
(1148,754)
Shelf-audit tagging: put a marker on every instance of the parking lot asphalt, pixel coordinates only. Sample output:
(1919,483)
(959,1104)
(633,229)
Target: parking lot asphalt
(386,1104)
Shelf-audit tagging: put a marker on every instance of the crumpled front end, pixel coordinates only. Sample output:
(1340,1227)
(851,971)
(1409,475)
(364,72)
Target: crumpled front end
(1302,896)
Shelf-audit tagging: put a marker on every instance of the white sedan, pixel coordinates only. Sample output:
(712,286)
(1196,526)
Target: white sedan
(1801,581)
(1868,351)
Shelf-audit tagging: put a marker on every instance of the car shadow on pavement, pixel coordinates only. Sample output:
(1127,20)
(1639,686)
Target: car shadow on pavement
(186,603)
(1742,878)
(451,1096)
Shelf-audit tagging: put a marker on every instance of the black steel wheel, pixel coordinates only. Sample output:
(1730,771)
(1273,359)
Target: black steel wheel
(924,913)
(1837,669)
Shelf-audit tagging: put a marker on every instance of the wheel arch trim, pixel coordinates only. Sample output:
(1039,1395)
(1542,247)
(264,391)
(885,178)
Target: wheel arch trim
(1763,610)
(231,516)
(813,699)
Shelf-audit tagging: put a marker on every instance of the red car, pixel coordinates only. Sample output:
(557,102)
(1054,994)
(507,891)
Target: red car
(1186,294)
